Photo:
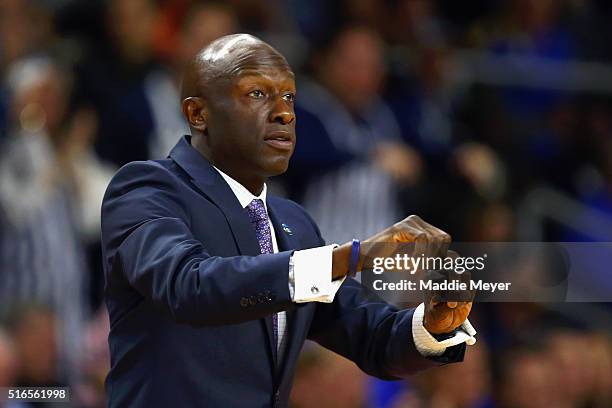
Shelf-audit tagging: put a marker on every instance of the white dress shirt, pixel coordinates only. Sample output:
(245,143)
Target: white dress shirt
(310,280)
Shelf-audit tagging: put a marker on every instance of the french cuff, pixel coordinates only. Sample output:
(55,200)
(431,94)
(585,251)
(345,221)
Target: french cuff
(310,275)
(427,344)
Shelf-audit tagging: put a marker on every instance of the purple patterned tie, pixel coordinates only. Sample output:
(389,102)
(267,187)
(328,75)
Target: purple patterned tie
(259,218)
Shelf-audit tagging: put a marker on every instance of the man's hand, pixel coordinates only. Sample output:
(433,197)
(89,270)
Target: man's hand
(429,241)
(445,311)
(444,317)
(400,161)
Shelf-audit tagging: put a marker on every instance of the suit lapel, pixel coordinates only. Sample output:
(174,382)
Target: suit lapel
(285,237)
(212,185)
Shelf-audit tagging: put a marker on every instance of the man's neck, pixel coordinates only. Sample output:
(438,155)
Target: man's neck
(255,187)
(251,182)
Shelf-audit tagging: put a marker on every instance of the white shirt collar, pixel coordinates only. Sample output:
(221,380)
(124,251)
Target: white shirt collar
(243,195)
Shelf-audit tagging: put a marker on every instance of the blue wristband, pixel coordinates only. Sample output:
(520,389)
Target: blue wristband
(354,260)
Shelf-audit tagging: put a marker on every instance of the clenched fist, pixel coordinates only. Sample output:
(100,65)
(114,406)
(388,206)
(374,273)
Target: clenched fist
(444,317)
(429,241)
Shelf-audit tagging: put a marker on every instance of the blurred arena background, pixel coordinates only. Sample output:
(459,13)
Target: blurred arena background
(490,119)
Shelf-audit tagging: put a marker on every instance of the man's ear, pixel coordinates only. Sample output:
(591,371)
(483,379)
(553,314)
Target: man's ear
(196,113)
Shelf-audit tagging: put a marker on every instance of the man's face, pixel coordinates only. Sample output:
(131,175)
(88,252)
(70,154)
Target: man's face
(251,121)
(355,68)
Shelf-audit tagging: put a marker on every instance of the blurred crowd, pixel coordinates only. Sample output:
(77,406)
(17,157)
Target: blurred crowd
(491,119)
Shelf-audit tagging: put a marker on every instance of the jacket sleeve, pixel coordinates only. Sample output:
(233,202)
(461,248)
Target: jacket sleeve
(374,334)
(148,247)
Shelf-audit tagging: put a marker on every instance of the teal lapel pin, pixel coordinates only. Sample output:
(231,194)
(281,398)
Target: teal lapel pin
(287,229)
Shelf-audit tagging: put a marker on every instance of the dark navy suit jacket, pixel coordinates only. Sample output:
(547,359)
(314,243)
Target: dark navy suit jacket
(190,296)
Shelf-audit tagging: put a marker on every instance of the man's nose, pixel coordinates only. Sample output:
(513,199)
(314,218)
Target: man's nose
(282,113)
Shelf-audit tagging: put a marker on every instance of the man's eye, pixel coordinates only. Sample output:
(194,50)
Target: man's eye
(256,94)
(289,97)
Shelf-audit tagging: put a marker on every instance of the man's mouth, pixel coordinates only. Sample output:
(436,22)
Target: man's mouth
(280,140)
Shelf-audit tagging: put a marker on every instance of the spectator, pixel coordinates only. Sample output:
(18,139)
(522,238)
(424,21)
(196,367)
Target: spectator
(41,254)
(8,360)
(351,137)
(112,80)
(529,380)
(36,336)
(466,385)
(319,369)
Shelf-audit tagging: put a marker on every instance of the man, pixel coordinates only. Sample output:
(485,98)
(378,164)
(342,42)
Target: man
(210,288)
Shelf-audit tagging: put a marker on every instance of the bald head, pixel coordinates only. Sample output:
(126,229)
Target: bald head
(238,99)
(226,58)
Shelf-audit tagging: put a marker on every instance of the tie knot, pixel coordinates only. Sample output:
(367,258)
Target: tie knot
(257,211)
